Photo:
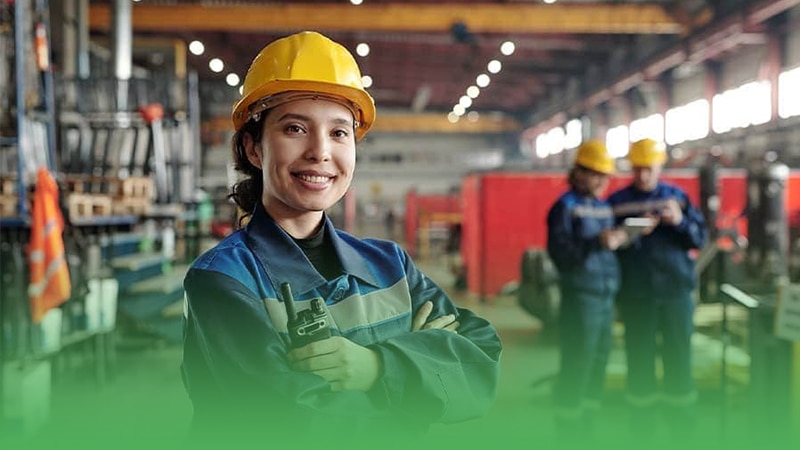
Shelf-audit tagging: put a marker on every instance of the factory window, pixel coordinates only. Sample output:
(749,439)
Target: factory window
(788,93)
(617,141)
(651,127)
(574,133)
(550,143)
(688,122)
(541,146)
(749,104)
(556,138)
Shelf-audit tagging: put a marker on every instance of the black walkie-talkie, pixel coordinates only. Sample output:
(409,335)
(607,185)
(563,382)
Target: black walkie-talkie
(307,326)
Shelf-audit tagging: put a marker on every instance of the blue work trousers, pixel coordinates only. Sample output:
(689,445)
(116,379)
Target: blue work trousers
(585,338)
(645,319)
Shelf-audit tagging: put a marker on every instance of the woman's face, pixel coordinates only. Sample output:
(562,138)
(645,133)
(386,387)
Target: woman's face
(307,155)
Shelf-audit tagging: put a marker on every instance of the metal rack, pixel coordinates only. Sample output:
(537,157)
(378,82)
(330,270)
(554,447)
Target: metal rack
(24,14)
(67,117)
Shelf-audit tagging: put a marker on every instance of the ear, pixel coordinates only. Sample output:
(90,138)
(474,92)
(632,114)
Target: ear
(252,150)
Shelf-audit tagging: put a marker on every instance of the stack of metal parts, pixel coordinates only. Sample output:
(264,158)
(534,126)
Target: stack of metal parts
(102,143)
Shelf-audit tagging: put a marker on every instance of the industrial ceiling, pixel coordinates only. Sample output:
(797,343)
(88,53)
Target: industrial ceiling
(424,54)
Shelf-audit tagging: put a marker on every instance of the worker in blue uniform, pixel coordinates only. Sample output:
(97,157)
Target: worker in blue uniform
(655,298)
(581,241)
(401,355)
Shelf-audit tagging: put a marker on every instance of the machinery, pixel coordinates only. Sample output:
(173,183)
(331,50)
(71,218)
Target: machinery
(770,381)
(538,292)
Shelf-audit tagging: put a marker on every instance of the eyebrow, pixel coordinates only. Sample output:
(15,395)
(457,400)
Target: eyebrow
(304,118)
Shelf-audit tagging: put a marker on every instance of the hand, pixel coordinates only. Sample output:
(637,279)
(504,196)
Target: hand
(613,238)
(446,322)
(656,221)
(672,214)
(340,361)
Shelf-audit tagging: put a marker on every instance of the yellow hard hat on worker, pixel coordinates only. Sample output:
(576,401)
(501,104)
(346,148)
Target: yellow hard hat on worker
(594,155)
(304,65)
(647,153)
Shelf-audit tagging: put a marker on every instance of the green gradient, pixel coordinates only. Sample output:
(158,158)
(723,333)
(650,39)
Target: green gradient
(145,407)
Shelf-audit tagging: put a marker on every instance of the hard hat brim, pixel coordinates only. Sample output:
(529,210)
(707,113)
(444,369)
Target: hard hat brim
(362,101)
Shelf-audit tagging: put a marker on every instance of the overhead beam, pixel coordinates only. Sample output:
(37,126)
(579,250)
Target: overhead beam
(721,35)
(479,18)
(395,122)
(438,123)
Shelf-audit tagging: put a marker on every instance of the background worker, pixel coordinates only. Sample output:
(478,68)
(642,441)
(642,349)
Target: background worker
(581,240)
(655,296)
(401,355)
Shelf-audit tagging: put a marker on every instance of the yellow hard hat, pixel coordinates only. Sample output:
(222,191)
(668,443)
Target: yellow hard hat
(647,153)
(594,155)
(305,62)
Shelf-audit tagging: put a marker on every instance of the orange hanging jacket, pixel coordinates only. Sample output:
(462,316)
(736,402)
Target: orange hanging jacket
(49,277)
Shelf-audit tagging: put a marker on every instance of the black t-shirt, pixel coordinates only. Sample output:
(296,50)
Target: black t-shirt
(319,250)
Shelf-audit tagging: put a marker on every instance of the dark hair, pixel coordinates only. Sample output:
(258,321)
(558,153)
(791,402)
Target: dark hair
(247,192)
(572,177)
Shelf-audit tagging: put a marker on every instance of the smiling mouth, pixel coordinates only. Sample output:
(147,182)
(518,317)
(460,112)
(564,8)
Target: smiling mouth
(320,179)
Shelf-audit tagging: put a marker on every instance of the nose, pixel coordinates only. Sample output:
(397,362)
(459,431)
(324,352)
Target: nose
(319,146)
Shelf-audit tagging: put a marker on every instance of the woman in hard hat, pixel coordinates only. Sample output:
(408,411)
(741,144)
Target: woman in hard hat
(656,292)
(581,240)
(401,355)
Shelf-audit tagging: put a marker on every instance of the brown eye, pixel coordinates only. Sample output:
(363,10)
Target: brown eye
(340,133)
(294,129)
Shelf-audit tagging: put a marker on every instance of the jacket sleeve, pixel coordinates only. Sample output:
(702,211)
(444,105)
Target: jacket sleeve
(235,360)
(567,250)
(692,232)
(438,375)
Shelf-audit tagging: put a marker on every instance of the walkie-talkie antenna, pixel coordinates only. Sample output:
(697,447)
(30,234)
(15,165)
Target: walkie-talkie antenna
(288,301)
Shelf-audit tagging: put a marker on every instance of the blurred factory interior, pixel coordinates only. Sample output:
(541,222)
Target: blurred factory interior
(481,107)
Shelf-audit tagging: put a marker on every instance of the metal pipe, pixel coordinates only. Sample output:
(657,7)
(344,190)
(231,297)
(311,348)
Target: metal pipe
(82,41)
(738,295)
(122,38)
(19,61)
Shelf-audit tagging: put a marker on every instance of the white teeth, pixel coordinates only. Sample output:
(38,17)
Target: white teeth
(314,178)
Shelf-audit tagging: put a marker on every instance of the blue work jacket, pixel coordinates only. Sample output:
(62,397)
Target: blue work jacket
(574,223)
(235,363)
(658,266)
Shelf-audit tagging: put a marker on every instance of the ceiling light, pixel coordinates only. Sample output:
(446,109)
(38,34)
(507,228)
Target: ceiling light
(241,89)
(507,48)
(362,49)
(216,65)
(473,116)
(473,91)
(452,117)
(459,110)
(197,48)
(356,2)
(232,79)
(366,80)
(483,80)
(465,101)
(549,2)
(494,66)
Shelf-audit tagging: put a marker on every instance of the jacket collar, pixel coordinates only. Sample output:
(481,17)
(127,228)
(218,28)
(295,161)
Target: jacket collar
(284,260)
